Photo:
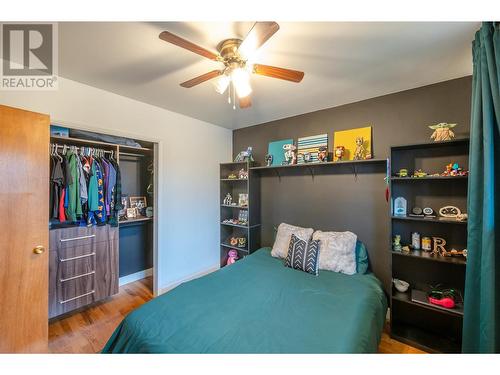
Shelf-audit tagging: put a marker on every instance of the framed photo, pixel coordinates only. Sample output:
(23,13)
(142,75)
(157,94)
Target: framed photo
(243,200)
(131,213)
(138,202)
(125,204)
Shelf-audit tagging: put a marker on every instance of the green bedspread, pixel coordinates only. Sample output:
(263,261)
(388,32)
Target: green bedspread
(259,306)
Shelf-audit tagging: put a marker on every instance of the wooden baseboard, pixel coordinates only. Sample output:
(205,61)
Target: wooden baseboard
(135,276)
(193,276)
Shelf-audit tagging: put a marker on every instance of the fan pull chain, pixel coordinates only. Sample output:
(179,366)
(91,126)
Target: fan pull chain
(234,99)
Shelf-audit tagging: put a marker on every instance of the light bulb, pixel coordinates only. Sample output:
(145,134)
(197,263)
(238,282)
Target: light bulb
(241,82)
(222,83)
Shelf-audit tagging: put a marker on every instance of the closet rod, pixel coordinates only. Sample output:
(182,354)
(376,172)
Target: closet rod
(78,148)
(130,154)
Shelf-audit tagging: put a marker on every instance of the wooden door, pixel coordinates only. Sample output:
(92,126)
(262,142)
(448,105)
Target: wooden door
(24,195)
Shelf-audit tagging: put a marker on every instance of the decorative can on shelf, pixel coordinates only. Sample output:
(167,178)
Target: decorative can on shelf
(426,243)
(415,240)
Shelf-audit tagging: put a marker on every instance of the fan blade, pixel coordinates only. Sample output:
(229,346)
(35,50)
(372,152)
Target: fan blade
(258,35)
(281,73)
(245,102)
(204,77)
(183,43)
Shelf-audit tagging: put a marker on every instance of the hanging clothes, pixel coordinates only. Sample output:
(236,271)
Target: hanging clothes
(93,194)
(101,211)
(74,206)
(116,197)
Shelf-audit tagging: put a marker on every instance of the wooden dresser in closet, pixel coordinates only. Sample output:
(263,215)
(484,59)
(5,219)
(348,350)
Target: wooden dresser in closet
(83,267)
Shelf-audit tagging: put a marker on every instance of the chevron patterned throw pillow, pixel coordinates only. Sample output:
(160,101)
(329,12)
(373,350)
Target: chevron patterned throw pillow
(303,255)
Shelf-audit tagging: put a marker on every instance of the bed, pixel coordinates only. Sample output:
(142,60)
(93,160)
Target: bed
(259,306)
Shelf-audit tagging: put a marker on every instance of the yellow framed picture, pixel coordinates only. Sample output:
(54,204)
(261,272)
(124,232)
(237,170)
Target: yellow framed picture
(352,150)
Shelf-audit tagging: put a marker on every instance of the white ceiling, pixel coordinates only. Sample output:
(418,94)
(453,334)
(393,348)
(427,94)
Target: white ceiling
(343,63)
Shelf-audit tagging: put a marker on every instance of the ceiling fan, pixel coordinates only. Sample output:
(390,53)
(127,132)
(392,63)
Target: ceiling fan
(236,55)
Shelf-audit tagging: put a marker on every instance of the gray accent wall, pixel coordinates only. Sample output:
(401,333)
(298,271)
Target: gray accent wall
(339,197)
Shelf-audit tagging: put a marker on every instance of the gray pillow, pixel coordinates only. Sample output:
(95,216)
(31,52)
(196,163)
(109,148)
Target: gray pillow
(337,251)
(284,235)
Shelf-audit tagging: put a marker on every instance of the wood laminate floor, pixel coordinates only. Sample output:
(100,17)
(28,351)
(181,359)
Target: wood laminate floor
(87,331)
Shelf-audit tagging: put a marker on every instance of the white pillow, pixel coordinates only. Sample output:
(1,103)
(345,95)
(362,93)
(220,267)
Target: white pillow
(284,235)
(337,251)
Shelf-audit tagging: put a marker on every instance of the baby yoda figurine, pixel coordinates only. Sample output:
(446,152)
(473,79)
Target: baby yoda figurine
(442,132)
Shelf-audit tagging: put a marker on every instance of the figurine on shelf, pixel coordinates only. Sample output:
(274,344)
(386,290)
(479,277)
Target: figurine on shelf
(419,173)
(246,155)
(307,157)
(228,199)
(360,152)
(233,241)
(403,172)
(242,174)
(442,132)
(339,153)
(242,242)
(232,257)
(290,155)
(453,170)
(322,154)
(396,244)
(232,176)
(269,160)
(454,253)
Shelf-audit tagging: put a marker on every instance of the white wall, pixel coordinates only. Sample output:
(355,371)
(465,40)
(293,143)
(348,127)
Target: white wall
(189,153)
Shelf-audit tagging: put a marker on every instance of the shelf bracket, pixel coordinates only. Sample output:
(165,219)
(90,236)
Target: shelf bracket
(276,170)
(311,171)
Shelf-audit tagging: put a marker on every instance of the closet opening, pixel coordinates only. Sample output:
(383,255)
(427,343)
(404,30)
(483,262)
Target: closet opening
(102,228)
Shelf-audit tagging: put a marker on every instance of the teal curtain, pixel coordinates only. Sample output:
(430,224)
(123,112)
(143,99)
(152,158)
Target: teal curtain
(481,329)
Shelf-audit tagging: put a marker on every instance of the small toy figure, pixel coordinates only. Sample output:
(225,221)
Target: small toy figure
(242,242)
(242,174)
(228,199)
(290,155)
(269,160)
(233,241)
(442,132)
(232,176)
(322,154)
(307,157)
(403,172)
(419,173)
(232,257)
(360,152)
(245,155)
(339,153)
(396,244)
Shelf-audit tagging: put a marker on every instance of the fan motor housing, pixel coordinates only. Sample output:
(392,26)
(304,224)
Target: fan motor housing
(228,49)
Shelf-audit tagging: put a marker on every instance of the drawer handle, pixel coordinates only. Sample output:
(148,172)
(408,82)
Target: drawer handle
(80,296)
(78,257)
(76,238)
(77,277)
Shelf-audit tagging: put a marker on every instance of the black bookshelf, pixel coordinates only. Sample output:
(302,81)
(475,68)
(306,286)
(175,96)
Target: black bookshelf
(427,327)
(235,187)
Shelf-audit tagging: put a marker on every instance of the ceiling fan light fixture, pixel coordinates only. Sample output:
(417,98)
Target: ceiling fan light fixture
(241,82)
(222,83)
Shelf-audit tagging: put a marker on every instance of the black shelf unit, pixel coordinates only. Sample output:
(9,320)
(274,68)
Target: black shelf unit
(251,230)
(429,328)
